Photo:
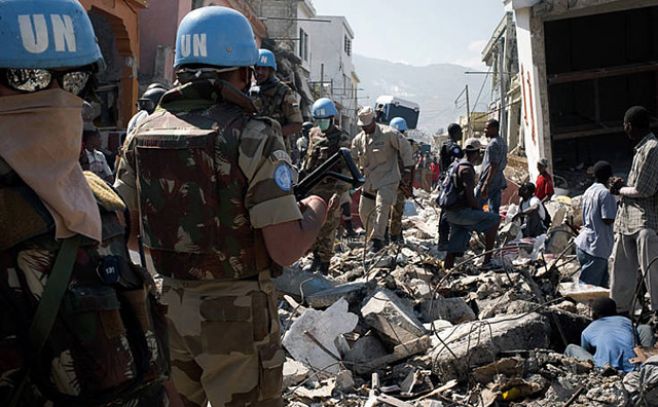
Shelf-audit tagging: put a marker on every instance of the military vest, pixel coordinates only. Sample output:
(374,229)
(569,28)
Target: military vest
(192,191)
(270,100)
(109,340)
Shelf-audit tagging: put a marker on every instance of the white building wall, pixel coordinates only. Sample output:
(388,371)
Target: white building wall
(305,11)
(535,134)
(332,64)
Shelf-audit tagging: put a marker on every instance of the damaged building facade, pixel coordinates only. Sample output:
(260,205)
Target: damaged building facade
(581,64)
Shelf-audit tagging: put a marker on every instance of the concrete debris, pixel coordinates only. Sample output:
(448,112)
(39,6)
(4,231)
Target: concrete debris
(454,310)
(353,293)
(391,317)
(397,329)
(293,373)
(311,339)
(476,343)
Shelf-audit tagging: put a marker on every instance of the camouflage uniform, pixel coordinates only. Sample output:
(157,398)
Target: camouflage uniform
(206,177)
(277,101)
(91,347)
(321,147)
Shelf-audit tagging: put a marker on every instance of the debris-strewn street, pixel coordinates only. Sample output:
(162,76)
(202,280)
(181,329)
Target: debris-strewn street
(396,329)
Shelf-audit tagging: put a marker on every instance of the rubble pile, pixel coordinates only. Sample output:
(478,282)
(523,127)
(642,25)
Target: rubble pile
(397,329)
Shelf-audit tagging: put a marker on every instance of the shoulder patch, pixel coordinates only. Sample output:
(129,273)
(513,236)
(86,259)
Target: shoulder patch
(283,177)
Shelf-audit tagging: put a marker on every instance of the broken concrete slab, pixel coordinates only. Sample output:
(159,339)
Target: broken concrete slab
(352,293)
(477,343)
(311,339)
(293,373)
(454,310)
(364,350)
(400,352)
(345,381)
(392,318)
(300,284)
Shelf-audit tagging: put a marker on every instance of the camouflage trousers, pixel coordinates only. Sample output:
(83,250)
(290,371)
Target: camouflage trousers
(396,214)
(225,342)
(324,245)
(374,213)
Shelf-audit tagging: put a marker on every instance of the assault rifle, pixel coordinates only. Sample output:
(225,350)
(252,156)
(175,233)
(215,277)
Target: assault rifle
(303,188)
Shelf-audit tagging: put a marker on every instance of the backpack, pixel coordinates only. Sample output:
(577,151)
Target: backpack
(451,189)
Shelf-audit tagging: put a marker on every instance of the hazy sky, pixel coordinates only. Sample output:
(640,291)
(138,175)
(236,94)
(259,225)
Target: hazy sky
(419,32)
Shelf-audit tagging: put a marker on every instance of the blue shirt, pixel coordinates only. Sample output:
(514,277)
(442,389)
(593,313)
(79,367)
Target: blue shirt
(611,340)
(596,238)
(496,154)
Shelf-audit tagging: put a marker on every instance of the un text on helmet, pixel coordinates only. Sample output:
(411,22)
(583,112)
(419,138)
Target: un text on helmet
(35,35)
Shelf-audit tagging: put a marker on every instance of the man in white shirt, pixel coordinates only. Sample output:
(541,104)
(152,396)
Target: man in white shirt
(532,211)
(95,159)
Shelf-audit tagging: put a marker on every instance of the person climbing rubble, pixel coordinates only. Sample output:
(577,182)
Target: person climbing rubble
(325,139)
(463,211)
(376,150)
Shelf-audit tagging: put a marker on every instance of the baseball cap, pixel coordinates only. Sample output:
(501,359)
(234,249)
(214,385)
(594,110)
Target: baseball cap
(366,116)
(472,144)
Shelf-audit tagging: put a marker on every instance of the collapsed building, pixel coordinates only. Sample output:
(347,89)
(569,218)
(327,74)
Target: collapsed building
(568,71)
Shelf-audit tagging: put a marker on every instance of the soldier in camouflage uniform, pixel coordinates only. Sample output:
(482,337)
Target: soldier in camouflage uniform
(399,124)
(324,141)
(275,99)
(212,185)
(78,325)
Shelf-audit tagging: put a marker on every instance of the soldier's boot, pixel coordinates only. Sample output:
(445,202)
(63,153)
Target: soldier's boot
(349,229)
(377,246)
(397,239)
(387,237)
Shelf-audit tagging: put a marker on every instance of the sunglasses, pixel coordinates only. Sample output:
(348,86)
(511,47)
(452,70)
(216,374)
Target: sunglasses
(34,80)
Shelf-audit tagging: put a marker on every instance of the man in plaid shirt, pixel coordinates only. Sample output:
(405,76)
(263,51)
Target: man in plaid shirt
(636,241)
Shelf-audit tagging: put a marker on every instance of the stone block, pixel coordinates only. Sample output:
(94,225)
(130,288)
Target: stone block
(293,373)
(392,318)
(352,293)
(477,343)
(311,339)
(454,310)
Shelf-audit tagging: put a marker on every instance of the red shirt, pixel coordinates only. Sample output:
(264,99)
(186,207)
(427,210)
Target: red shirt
(544,186)
(436,173)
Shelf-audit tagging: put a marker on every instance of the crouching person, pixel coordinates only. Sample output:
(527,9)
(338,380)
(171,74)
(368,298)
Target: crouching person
(609,340)
(532,212)
(463,212)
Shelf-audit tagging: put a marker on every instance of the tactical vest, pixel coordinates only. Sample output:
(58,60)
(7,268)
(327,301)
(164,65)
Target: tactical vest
(109,339)
(270,101)
(192,191)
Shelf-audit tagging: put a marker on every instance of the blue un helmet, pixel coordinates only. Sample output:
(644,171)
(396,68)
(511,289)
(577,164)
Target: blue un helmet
(399,124)
(217,36)
(46,34)
(266,59)
(323,109)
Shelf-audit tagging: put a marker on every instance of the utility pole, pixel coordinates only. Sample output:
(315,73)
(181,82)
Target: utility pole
(469,131)
(321,80)
(502,117)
